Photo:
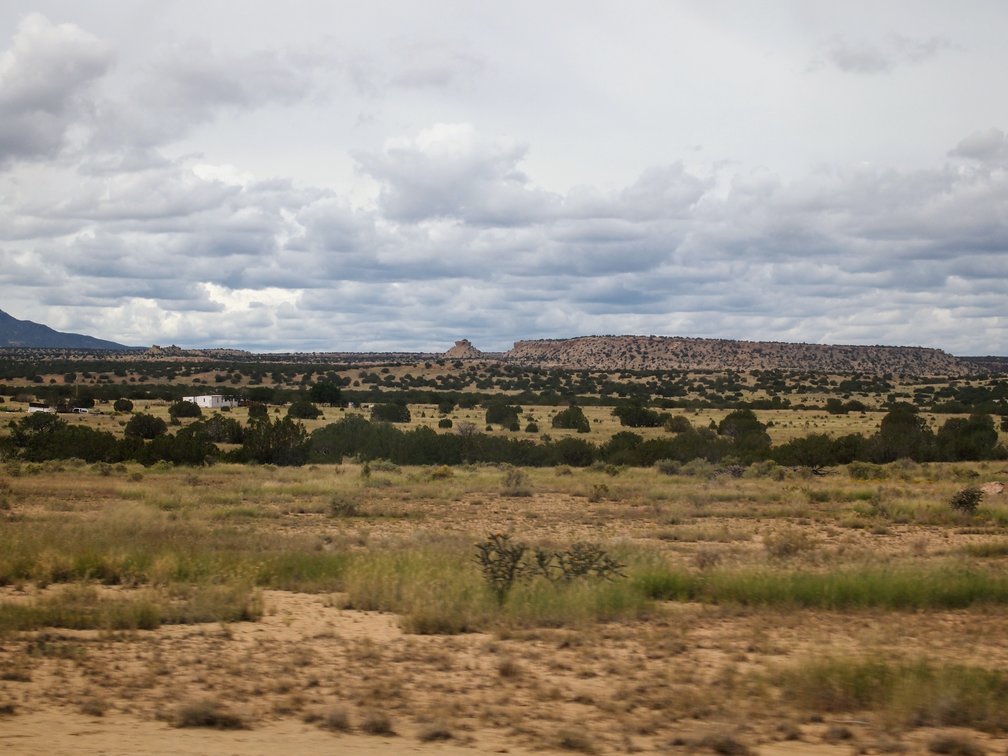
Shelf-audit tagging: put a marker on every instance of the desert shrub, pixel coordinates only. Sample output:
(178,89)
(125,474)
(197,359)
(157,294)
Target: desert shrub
(572,418)
(515,482)
(699,468)
(344,505)
(581,560)
(395,412)
(501,413)
(93,707)
(441,473)
(336,719)
(303,409)
(145,426)
(635,415)
(444,422)
(504,562)
(788,543)
(384,465)
(599,491)
(574,739)
(257,411)
(532,427)
(500,561)
(957,745)
(434,731)
(224,430)
(766,469)
(677,424)
(966,500)
(122,405)
(865,471)
(706,559)
(184,409)
(377,723)
(668,466)
(207,713)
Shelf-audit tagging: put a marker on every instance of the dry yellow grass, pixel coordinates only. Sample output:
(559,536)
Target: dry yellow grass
(691,674)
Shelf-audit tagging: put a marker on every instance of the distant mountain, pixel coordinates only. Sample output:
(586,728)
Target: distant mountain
(26,334)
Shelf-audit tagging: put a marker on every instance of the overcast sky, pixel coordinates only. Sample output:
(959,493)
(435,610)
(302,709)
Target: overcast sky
(397,175)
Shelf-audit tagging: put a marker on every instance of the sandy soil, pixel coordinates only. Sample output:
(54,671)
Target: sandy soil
(677,682)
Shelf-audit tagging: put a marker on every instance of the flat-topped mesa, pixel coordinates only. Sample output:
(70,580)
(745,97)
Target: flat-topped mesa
(680,353)
(463,350)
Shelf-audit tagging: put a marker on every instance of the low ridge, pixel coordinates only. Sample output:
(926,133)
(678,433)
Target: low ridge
(681,353)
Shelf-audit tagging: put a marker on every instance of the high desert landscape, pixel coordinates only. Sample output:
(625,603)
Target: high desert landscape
(567,377)
(554,589)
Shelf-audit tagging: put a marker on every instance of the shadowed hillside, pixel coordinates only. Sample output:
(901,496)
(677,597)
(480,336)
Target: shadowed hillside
(25,333)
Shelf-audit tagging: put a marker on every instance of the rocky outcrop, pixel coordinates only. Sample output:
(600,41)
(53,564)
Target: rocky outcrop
(679,353)
(463,350)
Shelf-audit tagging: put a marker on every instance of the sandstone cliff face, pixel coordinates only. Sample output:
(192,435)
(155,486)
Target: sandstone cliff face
(678,353)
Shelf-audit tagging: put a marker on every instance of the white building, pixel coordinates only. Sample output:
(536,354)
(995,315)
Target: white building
(211,401)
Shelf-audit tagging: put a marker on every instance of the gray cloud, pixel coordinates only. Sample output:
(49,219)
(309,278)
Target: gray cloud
(449,171)
(988,146)
(649,257)
(430,232)
(45,76)
(864,57)
(190,84)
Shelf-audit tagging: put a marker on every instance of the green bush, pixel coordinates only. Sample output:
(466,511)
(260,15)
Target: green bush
(145,426)
(572,418)
(184,409)
(303,409)
(395,412)
(967,500)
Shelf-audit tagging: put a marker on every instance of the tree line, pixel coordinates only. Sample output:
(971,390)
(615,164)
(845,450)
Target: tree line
(740,438)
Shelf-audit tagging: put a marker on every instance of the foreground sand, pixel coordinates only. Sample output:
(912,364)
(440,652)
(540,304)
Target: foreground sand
(687,679)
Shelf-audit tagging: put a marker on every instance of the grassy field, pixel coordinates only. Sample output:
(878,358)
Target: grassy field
(745,613)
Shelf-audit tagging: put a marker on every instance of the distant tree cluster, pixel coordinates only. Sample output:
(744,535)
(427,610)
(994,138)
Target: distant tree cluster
(740,438)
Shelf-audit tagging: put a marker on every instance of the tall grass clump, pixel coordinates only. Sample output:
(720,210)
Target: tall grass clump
(540,603)
(82,607)
(440,589)
(435,589)
(939,587)
(918,693)
(132,544)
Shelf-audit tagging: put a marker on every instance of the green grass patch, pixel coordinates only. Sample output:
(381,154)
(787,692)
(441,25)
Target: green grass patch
(987,549)
(441,590)
(83,607)
(135,545)
(941,587)
(905,693)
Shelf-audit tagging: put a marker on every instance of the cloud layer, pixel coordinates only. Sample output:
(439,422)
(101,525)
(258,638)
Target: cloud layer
(112,224)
